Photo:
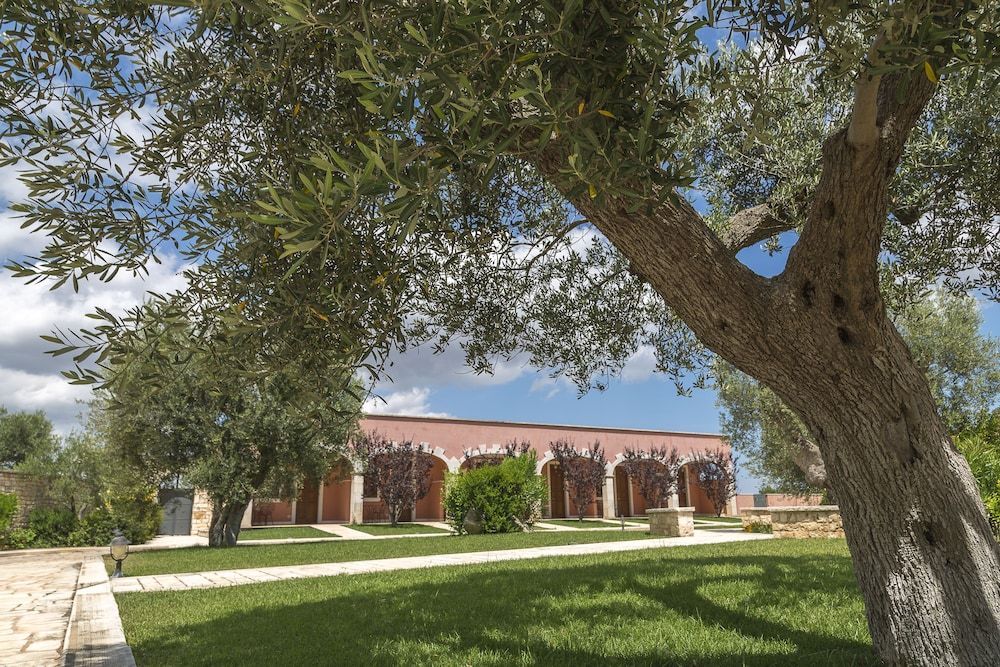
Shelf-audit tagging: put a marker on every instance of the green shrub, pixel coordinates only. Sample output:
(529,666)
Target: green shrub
(8,510)
(502,494)
(20,538)
(96,529)
(136,514)
(983,455)
(52,526)
(757,527)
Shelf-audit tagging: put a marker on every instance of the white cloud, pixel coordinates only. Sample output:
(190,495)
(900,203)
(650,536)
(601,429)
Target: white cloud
(413,402)
(29,378)
(641,365)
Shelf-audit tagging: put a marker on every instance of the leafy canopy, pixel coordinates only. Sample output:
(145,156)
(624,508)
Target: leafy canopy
(354,178)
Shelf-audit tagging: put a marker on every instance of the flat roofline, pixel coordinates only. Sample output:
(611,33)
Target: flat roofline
(578,427)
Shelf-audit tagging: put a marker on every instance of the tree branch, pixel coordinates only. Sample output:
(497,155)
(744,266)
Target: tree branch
(810,461)
(753,225)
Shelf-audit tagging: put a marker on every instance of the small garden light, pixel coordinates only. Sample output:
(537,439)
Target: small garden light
(119,552)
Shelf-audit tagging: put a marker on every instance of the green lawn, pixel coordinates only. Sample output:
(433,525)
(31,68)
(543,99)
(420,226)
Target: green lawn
(575,523)
(401,529)
(197,559)
(282,532)
(776,602)
(722,519)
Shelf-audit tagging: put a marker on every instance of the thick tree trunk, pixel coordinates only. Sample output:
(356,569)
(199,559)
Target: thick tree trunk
(925,559)
(225,527)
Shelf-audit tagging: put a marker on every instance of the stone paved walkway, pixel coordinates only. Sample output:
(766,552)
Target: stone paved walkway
(56,608)
(36,598)
(222,578)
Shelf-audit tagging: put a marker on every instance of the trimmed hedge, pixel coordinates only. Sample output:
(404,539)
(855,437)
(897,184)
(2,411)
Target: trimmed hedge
(502,494)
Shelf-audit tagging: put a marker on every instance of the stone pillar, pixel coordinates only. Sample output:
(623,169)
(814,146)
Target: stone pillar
(732,509)
(609,497)
(671,521)
(201,514)
(674,501)
(357,498)
(247,520)
(319,502)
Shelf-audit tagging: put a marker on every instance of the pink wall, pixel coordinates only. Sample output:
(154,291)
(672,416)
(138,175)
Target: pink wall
(455,436)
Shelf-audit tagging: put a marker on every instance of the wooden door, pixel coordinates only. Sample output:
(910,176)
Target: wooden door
(307,506)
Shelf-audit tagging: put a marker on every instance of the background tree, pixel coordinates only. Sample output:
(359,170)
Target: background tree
(716,471)
(399,471)
(226,435)
(943,332)
(24,435)
(655,472)
(583,472)
(520,180)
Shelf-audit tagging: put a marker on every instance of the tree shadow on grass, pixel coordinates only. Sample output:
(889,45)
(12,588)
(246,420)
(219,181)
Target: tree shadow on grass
(633,611)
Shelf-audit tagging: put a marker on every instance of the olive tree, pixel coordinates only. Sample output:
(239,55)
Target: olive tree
(570,180)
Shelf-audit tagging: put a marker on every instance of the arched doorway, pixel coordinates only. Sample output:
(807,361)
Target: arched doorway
(431,507)
(428,508)
(629,500)
(690,493)
(336,494)
(560,506)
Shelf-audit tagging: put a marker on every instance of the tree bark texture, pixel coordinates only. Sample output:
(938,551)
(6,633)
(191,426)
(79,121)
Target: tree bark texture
(819,336)
(226,519)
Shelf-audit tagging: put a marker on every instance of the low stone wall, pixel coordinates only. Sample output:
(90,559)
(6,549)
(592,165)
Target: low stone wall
(755,515)
(30,491)
(806,521)
(201,514)
(671,521)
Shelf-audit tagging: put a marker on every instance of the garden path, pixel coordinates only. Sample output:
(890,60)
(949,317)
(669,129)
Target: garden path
(222,578)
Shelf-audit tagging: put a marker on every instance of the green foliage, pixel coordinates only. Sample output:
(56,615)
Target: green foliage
(233,437)
(97,528)
(8,510)
(980,445)
(21,538)
(502,494)
(24,436)
(52,526)
(757,527)
(943,333)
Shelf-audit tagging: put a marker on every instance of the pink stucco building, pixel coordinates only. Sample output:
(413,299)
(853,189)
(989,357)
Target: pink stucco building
(452,443)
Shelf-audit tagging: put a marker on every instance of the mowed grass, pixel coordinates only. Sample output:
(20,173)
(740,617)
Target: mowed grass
(576,523)
(766,603)
(200,559)
(400,529)
(282,533)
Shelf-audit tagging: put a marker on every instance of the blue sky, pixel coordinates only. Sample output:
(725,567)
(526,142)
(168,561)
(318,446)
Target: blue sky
(641,400)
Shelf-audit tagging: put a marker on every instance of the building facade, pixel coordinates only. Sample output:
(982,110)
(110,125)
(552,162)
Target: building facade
(454,444)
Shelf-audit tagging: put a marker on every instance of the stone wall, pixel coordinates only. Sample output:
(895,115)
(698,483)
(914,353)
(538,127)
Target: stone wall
(806,521)
(30,492)
(201,514)
(755,515)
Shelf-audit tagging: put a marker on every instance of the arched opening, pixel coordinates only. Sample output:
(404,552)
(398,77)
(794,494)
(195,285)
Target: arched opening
(690,493)
(560,505)
(431,507)
(428,508)
(629,500)
(336,494)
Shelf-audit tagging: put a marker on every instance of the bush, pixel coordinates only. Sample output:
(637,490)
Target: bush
(502,494)
(137,515)
(96,529)
(8,510)
(757,527)
(52,526)
(20,538)
(983,456)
